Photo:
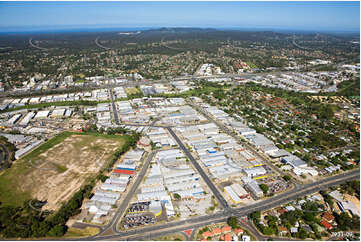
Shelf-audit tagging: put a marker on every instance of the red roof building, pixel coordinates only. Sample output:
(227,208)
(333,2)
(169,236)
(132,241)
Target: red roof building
(328,217)
(238,231)
(227,237)
(282,230)
(217,231)
(226,229)
(282,211)
(326,224)
(121,171)
(188,231)
(207,234)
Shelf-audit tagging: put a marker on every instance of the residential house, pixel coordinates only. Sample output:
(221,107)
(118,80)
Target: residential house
(328,217)
(326,224)
(282,231)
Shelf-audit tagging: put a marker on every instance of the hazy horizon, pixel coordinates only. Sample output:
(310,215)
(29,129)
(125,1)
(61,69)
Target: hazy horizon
(298,16)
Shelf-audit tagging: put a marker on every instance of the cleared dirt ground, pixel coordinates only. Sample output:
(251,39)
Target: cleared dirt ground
(56,174)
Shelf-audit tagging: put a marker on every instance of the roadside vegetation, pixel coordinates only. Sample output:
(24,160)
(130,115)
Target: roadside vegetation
(7,151)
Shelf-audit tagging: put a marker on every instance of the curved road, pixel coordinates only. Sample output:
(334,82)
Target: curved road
(35,46)
(169,47)
(101,46)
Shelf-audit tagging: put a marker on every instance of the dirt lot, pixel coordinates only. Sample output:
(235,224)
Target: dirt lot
(57,173)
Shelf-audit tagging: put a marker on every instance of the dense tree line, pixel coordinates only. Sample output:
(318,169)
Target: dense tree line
(11,148)
(27,222)
(352,187)
(326,140)
(349,87)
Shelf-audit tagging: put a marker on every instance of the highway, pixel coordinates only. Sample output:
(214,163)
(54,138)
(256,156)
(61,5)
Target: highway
(35,46)
(205,177)
(170,47)
(200,221)
(101,46)
(297,45)
(147,232)
(92,86)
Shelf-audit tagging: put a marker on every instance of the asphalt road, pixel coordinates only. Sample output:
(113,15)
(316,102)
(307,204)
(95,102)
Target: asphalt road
(229,132)
(147,232)
(123,206)
(101,46)
(115,112)
(88,87)
(200,170)
(173,227)
(35,46)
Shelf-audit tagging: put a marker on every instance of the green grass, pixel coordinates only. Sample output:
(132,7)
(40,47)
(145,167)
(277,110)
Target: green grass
(47,145)
(75,232)
(11,179)
(251,65)
(10,192)
(132,91)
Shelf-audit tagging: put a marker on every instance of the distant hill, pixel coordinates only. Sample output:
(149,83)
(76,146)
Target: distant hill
(180,30)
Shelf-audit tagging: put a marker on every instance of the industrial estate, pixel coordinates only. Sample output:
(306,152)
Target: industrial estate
(180,134)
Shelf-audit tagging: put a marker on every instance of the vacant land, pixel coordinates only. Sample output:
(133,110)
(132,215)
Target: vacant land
(132,90)
(75,232)
(171,237)
(57,169)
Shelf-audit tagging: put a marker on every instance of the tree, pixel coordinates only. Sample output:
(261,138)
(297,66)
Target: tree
(264,188)
(177,196)
(302,233)
(287,177)
(268,230)
(255,215)
(233,222)
(57,231)
(345,222)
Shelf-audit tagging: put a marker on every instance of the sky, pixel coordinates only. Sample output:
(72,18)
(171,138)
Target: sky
(322,16)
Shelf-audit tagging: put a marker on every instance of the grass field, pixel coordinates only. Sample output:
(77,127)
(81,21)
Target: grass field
(132,90)
(251,65)
(171,237)
(75,232)
(57,168)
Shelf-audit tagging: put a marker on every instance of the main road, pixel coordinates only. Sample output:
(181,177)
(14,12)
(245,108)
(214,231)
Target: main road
(114,107)
(92,86)
(265,204)
(112,226)
(35,46)
(101,46)
(200,170)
